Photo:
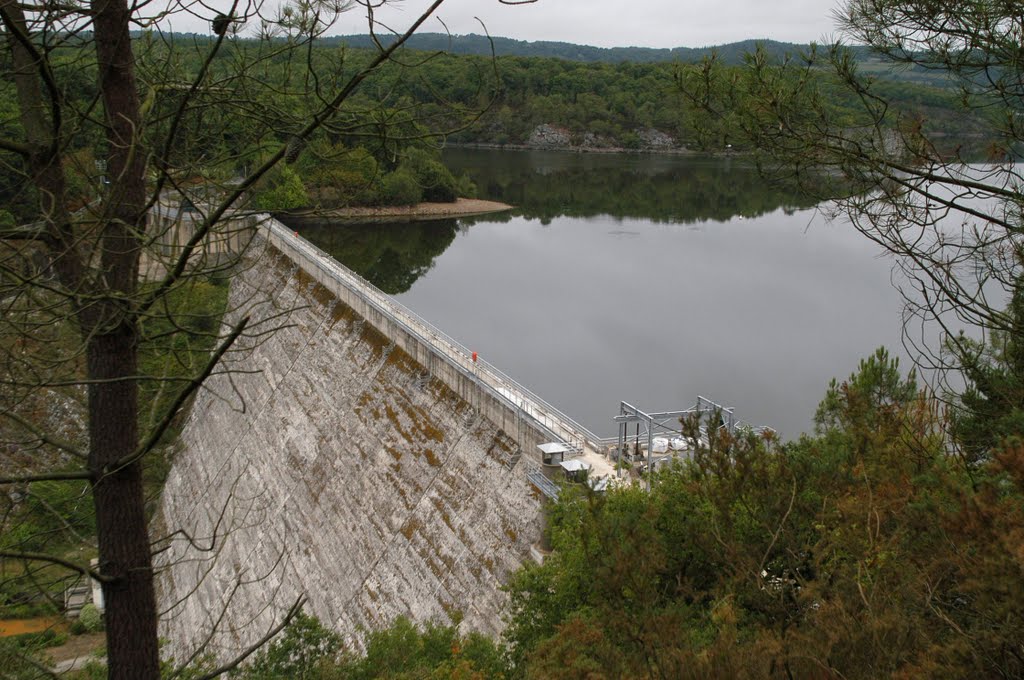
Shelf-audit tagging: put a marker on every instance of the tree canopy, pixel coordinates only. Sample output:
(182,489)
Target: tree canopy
(858,552)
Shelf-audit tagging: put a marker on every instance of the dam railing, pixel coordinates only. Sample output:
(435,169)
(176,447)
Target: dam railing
(485,374)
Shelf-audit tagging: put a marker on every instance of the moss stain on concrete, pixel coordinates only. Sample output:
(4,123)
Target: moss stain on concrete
(389,458)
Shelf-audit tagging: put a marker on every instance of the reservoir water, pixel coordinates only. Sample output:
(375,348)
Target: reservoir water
(648,279)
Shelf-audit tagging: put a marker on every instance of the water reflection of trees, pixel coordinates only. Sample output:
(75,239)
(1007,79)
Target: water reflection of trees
(546,185)
(391,256)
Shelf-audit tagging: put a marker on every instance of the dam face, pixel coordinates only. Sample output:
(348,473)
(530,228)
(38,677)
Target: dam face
(323,461)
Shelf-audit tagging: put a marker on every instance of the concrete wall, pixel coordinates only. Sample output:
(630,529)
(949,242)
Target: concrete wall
(171,229)
(326,462)
(524,416)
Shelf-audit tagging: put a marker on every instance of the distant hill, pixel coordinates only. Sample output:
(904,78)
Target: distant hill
(481,45)
(730,54)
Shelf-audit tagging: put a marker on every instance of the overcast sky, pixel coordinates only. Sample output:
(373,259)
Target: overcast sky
(621,23)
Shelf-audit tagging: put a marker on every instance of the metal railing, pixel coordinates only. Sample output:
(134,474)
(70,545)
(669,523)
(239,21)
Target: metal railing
(543,484)
(492,379)
(729,419)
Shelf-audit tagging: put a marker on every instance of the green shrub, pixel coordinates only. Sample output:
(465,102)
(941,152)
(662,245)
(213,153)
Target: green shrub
(93,670)
(437,182)
(434,179)
(339,177)
(400,188)
(91,619)
(42,639)
(281,189)
(305,651)
(17,661)
(430,650)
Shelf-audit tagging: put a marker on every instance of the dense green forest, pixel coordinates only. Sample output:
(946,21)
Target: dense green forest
(616,105)
(383,148)
(733,54)
(482,46)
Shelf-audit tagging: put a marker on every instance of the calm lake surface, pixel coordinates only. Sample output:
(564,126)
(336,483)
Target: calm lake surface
(645,279)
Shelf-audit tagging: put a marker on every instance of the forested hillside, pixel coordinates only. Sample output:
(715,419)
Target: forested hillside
(548,102)
(382,149)
(480,45)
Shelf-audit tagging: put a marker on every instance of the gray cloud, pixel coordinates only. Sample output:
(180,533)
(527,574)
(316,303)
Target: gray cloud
(617,23)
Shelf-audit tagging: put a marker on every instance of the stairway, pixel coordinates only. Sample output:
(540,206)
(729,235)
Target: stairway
(76,596)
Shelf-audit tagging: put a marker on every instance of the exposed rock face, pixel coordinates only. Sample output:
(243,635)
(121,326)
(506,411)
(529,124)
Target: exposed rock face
(59,411)
(655,140)
(549,137)
(337,471)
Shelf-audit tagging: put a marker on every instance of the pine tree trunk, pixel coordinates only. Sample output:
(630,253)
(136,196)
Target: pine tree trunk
(132,650)
(132,647)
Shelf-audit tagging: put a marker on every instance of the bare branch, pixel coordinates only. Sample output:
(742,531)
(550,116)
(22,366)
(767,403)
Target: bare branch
(48,477)
(42,436)
(52,559)
(193,384)
(15,147)
(249,651)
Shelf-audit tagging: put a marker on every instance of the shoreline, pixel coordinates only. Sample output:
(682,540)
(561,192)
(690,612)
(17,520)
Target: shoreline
(462,207)
(673,151)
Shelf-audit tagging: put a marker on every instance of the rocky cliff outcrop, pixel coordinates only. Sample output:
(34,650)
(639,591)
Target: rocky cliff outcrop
(328,464)
(554,137)
(655,140)
(549,137)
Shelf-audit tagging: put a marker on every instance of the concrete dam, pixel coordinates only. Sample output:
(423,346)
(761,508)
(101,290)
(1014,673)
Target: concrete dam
(354,456)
